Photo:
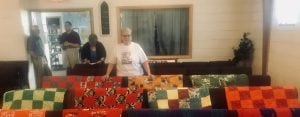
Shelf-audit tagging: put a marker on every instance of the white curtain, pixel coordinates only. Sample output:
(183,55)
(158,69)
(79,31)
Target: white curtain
(159,31)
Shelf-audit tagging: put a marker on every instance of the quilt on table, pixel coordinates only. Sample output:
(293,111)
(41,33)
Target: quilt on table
(254,112)
(216,81)
(174,98)
(283,112)
(261,97)
(123,98)
(92,113)
(158,81)
(48,99)
(22,113)
(81,82)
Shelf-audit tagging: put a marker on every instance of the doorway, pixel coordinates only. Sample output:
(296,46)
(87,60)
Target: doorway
(51,24)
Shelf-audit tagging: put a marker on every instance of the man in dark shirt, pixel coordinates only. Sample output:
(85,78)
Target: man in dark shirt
(35,49)
(70,42)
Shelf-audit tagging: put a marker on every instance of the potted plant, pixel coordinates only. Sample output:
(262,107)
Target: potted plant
(243,55)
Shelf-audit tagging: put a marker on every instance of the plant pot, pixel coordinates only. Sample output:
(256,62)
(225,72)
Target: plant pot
(245,63)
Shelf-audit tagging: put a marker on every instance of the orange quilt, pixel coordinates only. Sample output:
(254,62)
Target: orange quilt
(158,81)
(22,113)
(261,97)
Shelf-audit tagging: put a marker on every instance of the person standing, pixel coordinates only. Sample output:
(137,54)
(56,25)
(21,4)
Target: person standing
(35,49)
(70,42)
(129,57)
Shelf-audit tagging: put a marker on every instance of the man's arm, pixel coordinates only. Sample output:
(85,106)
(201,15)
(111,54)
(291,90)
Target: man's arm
(147,68)
(30,48)
(109,69)
(71,45)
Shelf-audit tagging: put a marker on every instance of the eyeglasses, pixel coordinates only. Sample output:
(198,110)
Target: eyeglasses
(126,35)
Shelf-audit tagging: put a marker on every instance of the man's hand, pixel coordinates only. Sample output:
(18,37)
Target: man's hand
(33,55)
(86,61)
(106,76)
(151,76)
(99,62)
(66,43)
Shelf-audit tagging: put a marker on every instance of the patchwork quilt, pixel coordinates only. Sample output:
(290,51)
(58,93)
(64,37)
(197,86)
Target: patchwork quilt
(174,98)
(22,113)
(92,113)
(47,99)
(216,81)
(204,82)
(254,112)
(261,97)
(81,82)
(123,98)
(158,81)
(284,112)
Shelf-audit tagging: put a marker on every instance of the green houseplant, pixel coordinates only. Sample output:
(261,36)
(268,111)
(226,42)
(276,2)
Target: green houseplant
(243,55)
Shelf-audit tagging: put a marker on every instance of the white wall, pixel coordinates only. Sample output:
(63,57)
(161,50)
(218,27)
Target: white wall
(217,24)
(12,37)
(284,57)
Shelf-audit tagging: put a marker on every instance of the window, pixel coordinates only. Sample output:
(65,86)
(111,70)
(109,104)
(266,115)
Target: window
(105,18)
(287,11)
(163,32)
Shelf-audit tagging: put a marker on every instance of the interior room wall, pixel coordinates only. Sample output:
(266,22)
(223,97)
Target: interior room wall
(218,25)
(12,35)
(284,55)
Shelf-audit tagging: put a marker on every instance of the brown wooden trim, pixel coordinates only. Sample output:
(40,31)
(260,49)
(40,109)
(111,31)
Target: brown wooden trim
(267,22)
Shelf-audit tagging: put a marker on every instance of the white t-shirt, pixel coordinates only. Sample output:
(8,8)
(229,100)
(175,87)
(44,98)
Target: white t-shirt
(128,59)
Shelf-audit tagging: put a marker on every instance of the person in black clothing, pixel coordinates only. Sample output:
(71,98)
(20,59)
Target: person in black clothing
(93,52)
(70,42)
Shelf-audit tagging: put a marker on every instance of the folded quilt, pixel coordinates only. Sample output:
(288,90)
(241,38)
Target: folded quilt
(249,113)
(261,97)
(81,82)
(48,99)
(174,98)
(22,113)
(92,113)
(158,81)
(123,98)
(204,82)
(217,81)
(283,112)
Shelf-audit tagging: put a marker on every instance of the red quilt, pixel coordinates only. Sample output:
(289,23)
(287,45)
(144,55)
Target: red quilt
(261,97)
(81,82)
(122,98)
(249,113)
(92,112)
(283,112)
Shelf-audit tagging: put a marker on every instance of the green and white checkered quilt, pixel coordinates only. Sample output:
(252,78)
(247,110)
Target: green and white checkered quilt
(48,99)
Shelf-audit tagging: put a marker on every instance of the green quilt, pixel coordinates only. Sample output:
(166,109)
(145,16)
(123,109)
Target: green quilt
(48,99)
(216,81)
(174,98)
(204,82)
